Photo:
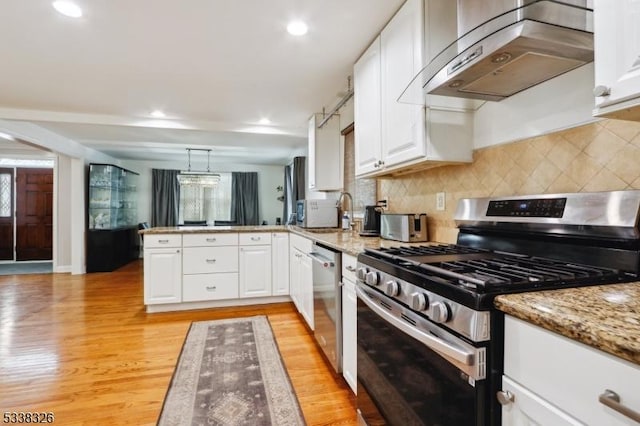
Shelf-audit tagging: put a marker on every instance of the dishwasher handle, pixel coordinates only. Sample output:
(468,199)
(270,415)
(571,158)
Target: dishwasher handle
(325,262)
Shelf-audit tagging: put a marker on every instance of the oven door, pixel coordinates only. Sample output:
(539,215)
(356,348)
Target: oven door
(412,372)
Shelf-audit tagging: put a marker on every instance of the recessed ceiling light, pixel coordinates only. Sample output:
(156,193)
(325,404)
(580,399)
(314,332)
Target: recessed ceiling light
(264,121)
(68,8)
(158,114)
(7,136)
(297,28)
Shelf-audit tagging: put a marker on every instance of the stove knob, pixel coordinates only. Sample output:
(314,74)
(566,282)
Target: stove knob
(392,288)
(361,273)
(440,312)
(419,301)
(371,278)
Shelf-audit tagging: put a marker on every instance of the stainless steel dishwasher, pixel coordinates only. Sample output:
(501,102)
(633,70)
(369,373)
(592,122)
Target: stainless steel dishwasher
(327,302)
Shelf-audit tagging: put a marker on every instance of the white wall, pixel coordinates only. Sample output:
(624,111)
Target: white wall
(62,249)
(269,178)
(563,102)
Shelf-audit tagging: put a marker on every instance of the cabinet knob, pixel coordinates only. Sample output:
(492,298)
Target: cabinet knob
(505,397)
(601,90)
(211,261)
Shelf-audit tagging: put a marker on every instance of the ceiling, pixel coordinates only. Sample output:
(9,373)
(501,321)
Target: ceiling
(214,67)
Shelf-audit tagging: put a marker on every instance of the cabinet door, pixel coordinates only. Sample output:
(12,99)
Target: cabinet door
(255,271)
(162,276)
(349,334)
(306,288)
(280,263)
(617,53)
(325,155)
(367,113)
(403,125)
(294,277)
(527,408)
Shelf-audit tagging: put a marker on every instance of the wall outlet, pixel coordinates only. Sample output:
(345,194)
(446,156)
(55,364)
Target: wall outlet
(440,201)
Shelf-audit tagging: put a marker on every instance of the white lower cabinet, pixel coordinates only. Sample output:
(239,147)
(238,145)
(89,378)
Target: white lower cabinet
(349,330)
(255,271)
(306,289)
(280,264)
(301,277)
(554,380)
(163,275)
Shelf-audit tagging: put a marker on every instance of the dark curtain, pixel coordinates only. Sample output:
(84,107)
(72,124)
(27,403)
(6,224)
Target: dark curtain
(294,186)
(165,197)
(299,178)
(244,198)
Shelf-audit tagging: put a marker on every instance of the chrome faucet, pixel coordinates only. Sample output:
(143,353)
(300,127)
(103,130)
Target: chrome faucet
(342,195)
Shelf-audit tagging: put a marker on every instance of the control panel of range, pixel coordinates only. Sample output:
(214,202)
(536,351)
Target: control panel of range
(535,207)
(462,319)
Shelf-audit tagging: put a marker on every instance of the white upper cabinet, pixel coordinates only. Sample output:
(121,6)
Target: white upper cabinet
(367,110)
(617,59)
(392,135)
(325,154)
(403,125)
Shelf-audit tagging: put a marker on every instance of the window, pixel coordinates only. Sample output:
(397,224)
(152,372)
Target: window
(5,195)
(199,202)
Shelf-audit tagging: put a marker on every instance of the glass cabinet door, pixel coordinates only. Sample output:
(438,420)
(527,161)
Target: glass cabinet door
(112,197)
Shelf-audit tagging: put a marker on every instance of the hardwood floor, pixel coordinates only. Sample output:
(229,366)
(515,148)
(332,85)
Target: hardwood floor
(83,348)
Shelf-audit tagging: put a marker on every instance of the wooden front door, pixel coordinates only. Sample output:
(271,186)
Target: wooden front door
(6,214)
(34,214)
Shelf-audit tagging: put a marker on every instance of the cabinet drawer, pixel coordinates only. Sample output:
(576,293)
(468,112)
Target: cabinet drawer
(206,260)
(162,240)
(255,238)
(210,240)
(569,374)
(210,287)
(349,267)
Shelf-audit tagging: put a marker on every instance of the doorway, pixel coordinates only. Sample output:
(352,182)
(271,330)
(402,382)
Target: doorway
(26,214)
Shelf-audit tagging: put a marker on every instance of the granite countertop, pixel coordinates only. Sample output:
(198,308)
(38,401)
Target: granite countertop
(606,317)
(345,241)
(207,229)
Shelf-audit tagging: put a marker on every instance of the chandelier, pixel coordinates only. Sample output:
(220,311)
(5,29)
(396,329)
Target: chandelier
(195,178)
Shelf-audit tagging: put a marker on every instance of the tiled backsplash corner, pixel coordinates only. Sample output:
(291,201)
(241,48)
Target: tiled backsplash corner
(600,156)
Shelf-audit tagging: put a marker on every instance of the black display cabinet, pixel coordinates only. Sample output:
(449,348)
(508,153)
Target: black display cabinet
(112,218)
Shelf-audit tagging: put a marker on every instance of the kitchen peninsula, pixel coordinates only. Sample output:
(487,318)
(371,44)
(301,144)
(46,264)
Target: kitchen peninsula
(196,267)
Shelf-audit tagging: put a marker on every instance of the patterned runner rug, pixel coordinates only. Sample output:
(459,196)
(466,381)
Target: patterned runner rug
(230,373)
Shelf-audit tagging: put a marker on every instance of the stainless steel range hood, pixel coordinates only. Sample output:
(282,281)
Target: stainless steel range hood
(505,47)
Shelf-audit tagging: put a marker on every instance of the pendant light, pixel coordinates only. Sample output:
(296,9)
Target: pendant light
(195,178)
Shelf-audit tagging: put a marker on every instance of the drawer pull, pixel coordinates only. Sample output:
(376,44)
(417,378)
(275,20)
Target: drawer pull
(211,240)
(351,269)
(505,397)
(163,241)
(612,400)
(211,261)
(255,238)
(211,288)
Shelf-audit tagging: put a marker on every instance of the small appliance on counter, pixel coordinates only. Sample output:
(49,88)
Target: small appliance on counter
(317,213)
(409,228)
(371,227)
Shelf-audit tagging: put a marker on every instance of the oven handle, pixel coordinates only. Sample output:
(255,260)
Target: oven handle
(435,343)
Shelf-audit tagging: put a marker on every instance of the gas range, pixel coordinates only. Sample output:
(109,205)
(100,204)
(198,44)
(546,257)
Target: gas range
(435,301)
(510,245)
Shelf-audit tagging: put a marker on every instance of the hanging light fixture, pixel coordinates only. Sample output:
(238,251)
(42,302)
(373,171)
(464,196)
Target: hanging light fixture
(195,178)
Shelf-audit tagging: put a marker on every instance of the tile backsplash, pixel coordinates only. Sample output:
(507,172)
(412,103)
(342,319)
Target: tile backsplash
(600,156)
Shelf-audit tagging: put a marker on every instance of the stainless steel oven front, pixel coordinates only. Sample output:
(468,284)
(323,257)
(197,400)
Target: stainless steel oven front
(412,371)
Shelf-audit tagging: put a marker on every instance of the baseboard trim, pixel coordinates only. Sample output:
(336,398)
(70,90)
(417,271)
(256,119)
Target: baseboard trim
(168,307)
(63,269)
